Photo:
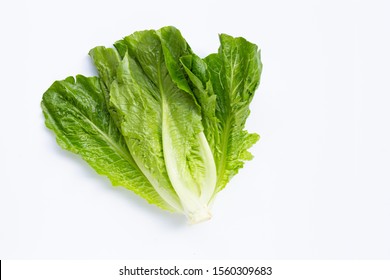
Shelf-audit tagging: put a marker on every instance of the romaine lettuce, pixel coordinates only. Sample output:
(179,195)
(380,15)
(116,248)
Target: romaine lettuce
(159,120)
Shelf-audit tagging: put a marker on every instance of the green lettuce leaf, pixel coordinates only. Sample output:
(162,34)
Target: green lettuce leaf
(75,110)
(162,125)
(224,84)
(235,75)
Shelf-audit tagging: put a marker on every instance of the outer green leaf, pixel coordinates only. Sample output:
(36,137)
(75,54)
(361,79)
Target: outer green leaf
(235,74)
(75,110)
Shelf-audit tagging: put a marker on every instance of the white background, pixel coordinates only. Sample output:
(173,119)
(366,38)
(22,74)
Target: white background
(318,188)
